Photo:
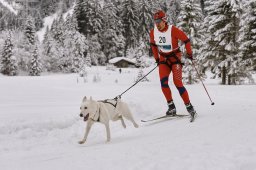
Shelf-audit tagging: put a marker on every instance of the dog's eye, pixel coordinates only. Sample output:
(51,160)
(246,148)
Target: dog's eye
(80,108)
(85,107)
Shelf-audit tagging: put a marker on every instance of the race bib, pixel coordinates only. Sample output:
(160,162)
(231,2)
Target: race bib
(163,40)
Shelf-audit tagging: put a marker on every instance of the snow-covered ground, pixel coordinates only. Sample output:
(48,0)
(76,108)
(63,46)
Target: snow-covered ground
(40,125)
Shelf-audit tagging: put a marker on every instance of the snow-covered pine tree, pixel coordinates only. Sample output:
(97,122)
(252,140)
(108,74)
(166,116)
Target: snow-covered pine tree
(48,7)
(190,21)
(89,17)
(26,44)
(79,48)
(145,10)
(207,54)
(247,39)
(57,30)
(112,31)
(81,17)
(120,43)
(51,52)
(75,45)
(77,62)
(69,30)
(96,18)
(57,37)
(35,66)
(95,51)
(140,56)
(9,63)
(113,43)
(71,23)
(141,75)
(202,3)
(223,20)
(88,60)
(30,31)
(46,44)
(19,49)
(173,11)
(130,22)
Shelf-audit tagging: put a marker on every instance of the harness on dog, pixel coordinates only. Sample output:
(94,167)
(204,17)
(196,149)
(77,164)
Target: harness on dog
(106,101)
(98,111)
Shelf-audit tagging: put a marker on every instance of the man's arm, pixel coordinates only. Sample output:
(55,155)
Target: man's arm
(153,45)
(179,34)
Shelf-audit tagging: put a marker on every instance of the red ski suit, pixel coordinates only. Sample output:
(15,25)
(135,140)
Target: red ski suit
(172,62)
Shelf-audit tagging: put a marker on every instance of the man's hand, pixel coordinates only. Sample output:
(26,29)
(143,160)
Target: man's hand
(157,61)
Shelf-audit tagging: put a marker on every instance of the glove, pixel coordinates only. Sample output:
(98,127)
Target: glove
(190,57)
(157,61)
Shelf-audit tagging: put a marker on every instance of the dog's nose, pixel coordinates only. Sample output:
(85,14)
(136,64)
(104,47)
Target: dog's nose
(81,115)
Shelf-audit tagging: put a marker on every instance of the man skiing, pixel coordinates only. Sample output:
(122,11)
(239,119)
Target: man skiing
(164,43)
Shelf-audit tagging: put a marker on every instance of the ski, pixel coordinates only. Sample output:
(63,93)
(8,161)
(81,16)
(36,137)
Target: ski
(163,117)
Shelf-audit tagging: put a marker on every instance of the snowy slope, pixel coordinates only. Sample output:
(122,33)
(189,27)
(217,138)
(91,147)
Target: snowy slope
(49,20)
(40,126)
(47,23)
(8,6)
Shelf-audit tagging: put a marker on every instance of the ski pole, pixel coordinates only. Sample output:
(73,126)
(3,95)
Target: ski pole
(119,96)
(212,103)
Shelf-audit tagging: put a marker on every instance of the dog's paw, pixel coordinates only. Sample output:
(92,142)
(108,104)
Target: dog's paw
(81,142)
(136,126)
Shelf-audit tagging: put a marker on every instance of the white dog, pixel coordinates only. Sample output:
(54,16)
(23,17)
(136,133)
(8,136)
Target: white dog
(103,111)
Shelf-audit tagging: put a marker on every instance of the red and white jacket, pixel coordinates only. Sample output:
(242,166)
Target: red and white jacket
(165,41)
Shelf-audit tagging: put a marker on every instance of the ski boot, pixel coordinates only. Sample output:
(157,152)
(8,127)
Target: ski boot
(191,111)
(171,110)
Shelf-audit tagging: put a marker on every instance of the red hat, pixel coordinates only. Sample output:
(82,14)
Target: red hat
(159,15)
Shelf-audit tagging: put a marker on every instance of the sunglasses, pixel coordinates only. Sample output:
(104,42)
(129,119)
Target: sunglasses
(157,21)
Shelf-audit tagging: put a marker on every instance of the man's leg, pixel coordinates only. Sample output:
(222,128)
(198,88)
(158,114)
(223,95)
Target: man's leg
(177,79)
(164,72)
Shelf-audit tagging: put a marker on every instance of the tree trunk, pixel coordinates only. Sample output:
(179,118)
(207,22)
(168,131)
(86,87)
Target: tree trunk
(189,78)
(224,74)
(202,6)
(229,79)
(229,76)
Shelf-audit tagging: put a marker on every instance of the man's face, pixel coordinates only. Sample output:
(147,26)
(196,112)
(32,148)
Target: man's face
(160,24)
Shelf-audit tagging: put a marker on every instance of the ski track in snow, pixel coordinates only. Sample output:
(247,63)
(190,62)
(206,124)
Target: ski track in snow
(40,125)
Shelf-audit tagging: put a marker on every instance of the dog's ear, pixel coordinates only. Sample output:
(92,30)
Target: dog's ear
(84,99)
